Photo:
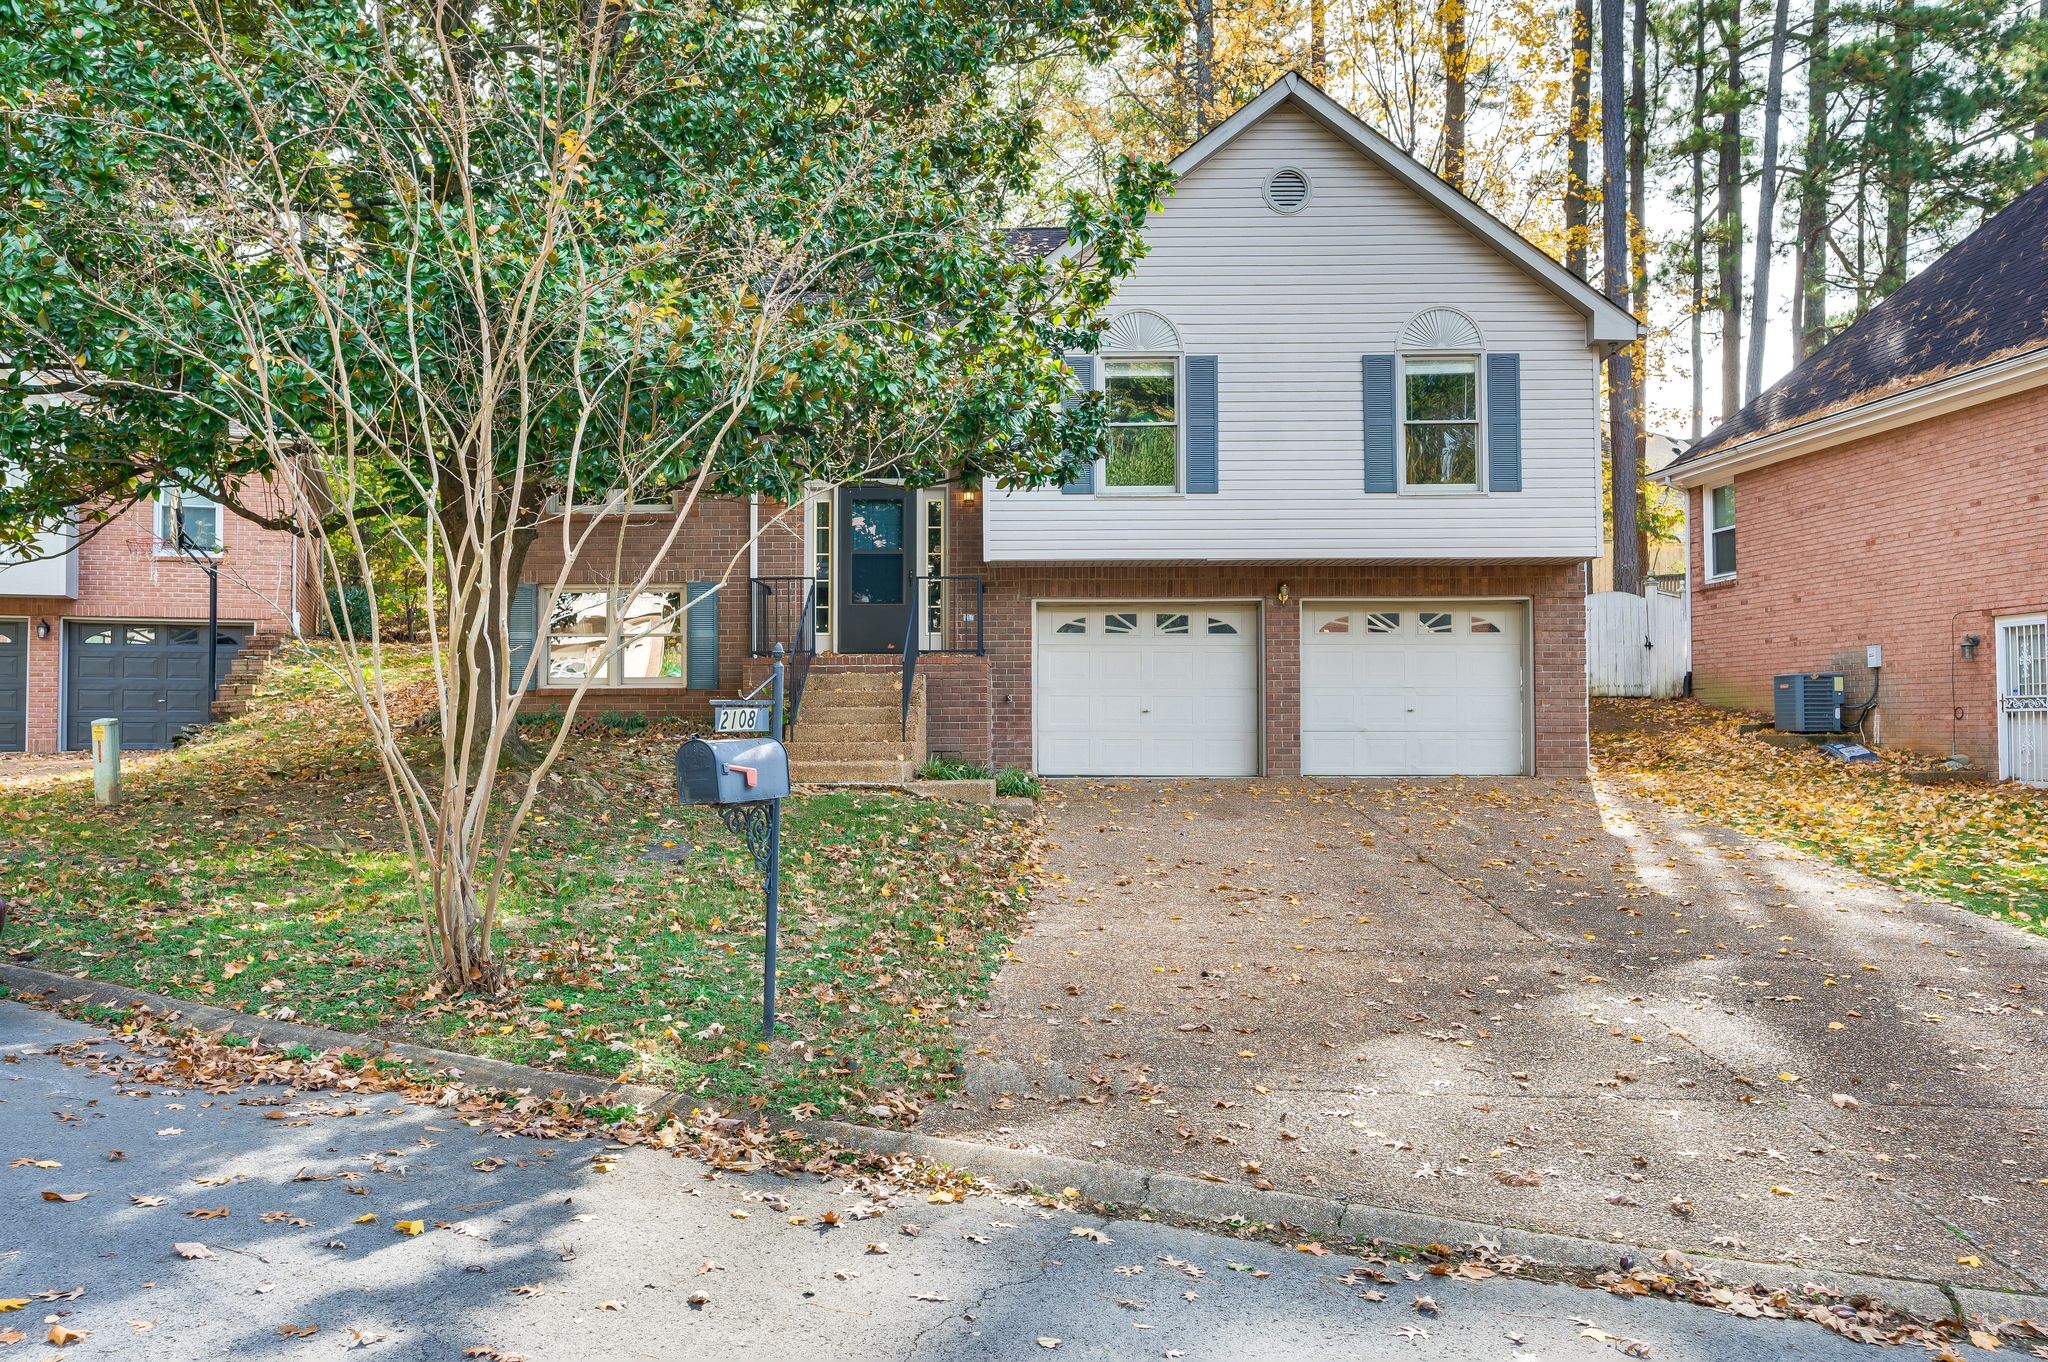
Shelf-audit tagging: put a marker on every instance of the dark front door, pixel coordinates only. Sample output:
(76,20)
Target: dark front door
(874,592)
(150,676)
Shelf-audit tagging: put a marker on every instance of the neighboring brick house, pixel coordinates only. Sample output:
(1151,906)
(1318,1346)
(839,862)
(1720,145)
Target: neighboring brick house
(1342,529)
(1889,493)
(113,623)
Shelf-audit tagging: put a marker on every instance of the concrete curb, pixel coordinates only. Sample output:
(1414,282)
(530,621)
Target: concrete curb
(474,1070)
(1100,1184)
(1231,1205)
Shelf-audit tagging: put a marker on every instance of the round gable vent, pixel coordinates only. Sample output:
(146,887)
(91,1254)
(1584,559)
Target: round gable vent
(1286,190)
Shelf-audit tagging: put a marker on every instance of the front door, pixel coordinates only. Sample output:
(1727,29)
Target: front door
(875,586)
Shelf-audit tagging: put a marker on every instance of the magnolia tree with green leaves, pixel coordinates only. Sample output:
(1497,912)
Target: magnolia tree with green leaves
(429,273)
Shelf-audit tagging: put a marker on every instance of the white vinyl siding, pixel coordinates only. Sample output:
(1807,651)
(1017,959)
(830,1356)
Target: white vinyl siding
(1288,304)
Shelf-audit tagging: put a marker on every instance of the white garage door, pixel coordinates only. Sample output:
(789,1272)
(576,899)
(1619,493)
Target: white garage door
(1160,688)
(1412,688)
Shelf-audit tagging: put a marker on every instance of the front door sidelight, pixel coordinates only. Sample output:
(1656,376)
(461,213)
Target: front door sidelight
(875,588)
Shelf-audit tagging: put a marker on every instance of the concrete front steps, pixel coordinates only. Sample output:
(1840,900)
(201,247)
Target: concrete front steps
(239,684)
(850,730)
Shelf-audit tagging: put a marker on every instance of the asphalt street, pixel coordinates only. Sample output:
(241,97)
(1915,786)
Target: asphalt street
(572,1250)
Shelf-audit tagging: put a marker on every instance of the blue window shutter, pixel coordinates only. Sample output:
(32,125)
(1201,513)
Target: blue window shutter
(700,635)
(1378,372)
(1084,373)
(1201,400)
(522,627)
(1504,423)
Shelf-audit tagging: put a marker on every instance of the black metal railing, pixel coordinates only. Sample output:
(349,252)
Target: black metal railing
(948,611)
(784,610)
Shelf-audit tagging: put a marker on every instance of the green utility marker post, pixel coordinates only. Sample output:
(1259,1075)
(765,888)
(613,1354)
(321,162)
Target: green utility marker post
(106,762)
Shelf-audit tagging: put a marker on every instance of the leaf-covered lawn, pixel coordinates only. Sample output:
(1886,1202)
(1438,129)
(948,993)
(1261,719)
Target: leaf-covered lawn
(1981,845)
(256,869)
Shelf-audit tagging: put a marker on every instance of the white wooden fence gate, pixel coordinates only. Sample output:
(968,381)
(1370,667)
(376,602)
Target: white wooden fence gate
(1638,645)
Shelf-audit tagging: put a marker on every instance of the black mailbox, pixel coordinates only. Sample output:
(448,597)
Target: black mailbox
(731,771)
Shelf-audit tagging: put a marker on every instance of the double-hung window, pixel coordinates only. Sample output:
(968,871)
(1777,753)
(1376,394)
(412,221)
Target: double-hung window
(1721,532)
(1440,421)
(1143,439)
(186,520)
(617,638)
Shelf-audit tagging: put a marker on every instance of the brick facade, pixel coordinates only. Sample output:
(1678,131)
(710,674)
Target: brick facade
(264,578)
(1910,539)
(979,708)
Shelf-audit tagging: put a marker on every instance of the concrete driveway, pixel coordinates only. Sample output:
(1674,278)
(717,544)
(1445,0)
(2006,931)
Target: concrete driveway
(1525,1003)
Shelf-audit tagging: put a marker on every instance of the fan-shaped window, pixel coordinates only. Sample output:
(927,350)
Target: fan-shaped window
(1336,624)
(1170,624)
(1434,621)
(1440,328)
(1122,623)
(1383,622)
(1217,626)
(1076,625)
(1287,190)
(1140,332)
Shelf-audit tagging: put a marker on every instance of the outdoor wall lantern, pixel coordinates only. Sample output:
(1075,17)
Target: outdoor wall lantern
(42,628)
(967,495)
(1282,594)
(1969,647)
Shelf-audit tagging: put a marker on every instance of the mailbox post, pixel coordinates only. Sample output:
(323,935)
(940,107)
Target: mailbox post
(746,780)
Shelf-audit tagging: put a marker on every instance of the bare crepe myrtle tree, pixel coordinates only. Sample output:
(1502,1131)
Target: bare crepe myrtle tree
(442,274)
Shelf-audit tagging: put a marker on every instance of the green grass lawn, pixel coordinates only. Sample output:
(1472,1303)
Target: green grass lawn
(1978,844)
(257,869)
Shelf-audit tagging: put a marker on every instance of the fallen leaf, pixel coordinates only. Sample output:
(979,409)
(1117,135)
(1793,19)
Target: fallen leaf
(63,1337)
(297,1330)
(410,1227)
(189,1250)
(66,1197)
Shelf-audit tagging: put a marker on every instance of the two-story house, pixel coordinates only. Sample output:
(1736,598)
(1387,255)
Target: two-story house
(111,622)
(1341,527)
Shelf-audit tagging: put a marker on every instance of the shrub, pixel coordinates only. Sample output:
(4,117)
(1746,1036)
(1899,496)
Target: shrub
(348,611)
(1014,782)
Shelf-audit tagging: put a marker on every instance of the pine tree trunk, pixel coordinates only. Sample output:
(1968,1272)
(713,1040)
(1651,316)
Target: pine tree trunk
(1205,64)
(1319,40)
(1699,218)
(1453,14)
(1898,164)
(1728,224)
(1810,282)
(1766,204)
(1621,387)
(1577,138)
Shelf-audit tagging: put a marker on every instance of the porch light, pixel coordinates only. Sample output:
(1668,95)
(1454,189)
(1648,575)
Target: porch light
(1282,594)
(1968,648)
(967,495)
(42,628)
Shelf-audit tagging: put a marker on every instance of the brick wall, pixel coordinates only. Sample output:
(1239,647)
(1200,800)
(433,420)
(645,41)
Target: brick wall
(1556,593)
(264,577)
(1909,539)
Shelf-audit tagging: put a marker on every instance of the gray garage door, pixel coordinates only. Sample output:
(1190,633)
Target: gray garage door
(13,685)
(150,676)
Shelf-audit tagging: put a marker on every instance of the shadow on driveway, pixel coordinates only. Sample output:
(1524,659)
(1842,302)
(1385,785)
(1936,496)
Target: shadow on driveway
(1529,1003)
